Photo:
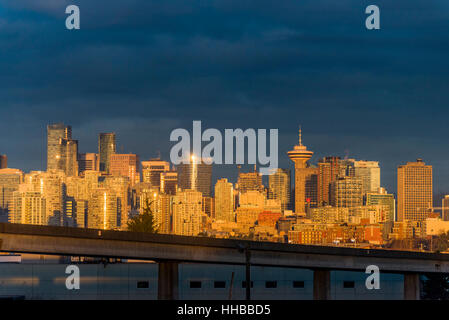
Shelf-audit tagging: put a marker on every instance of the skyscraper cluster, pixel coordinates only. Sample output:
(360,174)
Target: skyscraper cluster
(333,202)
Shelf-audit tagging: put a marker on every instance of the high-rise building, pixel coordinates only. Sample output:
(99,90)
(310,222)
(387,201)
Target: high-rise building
(52,186)
(224,201)
(312,188)
(62,151)
(106,148)
(3,161)
(329,168)
(79,195)
(76,212)
(161,206)
(126,165)
(250,181)
(414,191)
(252,199)
(88,161)
(71,168)
(28,208)
(304,175)
(195,176)
(169,182)
(368,172)
(80,188)
(103,211)
(187,213)
(329,214)
(152,170)
(382,198)
(119,187)
(10,179)
(346,192)
(209,206)
(56,134)
(445,210)
(280,187)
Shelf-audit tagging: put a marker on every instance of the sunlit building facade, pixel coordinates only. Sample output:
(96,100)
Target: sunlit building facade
(280,187)
(88,162)
(381,197)
(152,171)
(329,169)
(161,206)
(415,192)
(62,151)
(445,208)
(126,165)
(10,179)
(28,208)
(346,192)
(120,187)
(187,213)
(195,176)
(224,200)
(106,148)
(3,161)
(169,182)
(368,172)
(103,212)
(250,181)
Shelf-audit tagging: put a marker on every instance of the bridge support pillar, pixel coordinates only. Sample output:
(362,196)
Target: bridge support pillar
(411,286)
(321,284)
(167,288)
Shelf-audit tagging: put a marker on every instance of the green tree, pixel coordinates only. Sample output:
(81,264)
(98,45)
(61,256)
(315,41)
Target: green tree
(441,243)
(144,222)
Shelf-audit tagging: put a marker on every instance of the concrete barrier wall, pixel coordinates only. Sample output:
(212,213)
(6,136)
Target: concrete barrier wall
(122,281)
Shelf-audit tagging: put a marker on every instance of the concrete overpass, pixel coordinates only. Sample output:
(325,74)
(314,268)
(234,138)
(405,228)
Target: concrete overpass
(169,250)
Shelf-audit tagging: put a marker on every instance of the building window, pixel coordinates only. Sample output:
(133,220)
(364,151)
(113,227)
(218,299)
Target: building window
(298,284)
(143,284)
(271,284)
(219,284)
(195,284)
(348,284)
(244,284)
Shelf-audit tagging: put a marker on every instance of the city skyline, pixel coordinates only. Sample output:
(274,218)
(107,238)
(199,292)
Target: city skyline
(369,94)
(224,149)
(336,200)
(220,170)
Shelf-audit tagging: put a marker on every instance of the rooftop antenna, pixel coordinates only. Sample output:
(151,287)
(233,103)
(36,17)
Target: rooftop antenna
(300,136)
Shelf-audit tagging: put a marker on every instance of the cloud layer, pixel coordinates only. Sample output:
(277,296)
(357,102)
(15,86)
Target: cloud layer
(142,68)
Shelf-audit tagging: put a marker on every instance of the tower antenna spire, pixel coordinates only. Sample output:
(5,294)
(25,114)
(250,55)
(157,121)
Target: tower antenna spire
(300,136)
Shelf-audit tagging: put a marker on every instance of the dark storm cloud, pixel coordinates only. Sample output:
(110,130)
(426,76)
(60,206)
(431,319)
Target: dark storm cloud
(142,68)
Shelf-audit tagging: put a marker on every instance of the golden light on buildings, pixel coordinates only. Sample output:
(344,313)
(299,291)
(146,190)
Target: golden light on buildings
(300,155)
(104,210)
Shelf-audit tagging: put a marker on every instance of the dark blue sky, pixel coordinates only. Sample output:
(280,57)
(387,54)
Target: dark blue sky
(142,68)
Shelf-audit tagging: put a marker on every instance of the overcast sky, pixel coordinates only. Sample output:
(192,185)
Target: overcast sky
(142,68)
